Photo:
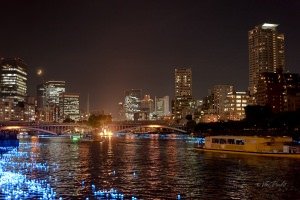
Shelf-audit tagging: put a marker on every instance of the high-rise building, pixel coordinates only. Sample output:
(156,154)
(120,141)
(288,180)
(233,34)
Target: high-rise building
(266,53)
(162,106)
(13,82)
(183,103)
(147,107)
(278,91)
(13,89)
(52,91)
(40,96)
(48,100)
(234,107)
(220,93)
(69,106)
(132,104)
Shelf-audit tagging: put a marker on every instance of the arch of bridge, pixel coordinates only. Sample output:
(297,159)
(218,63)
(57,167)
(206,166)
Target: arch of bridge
(152,126)
(26,128)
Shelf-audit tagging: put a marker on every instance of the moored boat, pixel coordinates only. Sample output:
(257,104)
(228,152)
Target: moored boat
(281,146)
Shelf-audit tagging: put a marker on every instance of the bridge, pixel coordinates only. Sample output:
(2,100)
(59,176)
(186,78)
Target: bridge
(144,126)
(48,128)
(62,128)
(26,128)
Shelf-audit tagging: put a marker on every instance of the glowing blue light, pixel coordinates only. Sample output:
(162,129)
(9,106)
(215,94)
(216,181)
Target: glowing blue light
(178,196)
(15,185)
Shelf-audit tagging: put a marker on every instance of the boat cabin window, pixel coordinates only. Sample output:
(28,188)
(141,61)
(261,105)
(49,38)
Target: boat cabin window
(214,140)
(230,141)
(219,141)
(239,142)
(222,141)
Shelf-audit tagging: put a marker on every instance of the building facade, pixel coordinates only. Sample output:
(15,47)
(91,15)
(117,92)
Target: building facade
(13,82)
(279,91)
(69,107)
(183,103)
(234,106)
(162,107)
(13,90)
(266,53)
(48,100)
(52,91)
(220,93)
(132,104)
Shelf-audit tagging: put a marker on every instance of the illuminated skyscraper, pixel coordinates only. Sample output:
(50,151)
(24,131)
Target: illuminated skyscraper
(48,100)
(266,52)
(162,106)
(132,104)
(13,81)
(52,91)
(69,106)
(220,93)
(183,102)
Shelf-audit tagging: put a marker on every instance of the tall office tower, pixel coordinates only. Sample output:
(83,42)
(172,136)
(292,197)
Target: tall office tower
(52,91)
(220,93)
(147,107)
(183,103)
(40,96)
(132,104)
(162,106)
(69,106)
(48,100)
(266,52)
(13,82)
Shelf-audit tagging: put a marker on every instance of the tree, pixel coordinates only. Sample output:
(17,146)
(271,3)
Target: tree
(97,121)
(190,124)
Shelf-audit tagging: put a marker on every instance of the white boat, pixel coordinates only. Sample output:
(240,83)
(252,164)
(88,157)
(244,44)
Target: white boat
(280,146)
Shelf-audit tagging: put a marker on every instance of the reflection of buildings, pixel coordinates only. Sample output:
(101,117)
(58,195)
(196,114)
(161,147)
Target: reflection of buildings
(13,91)
(183,104)
(69,106)
(266,53)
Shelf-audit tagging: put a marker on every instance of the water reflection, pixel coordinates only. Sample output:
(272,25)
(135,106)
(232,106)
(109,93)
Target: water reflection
(160,168)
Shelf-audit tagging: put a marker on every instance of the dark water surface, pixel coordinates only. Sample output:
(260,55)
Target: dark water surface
(155,168)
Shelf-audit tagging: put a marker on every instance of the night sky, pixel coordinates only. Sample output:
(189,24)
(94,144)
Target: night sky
(106,47)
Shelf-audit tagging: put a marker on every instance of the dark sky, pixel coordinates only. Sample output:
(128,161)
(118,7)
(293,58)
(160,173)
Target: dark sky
(105,47)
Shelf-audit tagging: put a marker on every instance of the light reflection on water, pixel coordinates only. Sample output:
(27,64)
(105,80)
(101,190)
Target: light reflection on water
(158,168)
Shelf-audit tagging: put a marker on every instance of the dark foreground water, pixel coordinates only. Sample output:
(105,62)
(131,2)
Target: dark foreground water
(142,168)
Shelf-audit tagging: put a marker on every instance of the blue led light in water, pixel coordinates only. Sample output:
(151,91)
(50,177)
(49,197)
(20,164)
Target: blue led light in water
(15,170)
(178,196)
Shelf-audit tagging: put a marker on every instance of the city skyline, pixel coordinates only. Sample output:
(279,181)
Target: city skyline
(103,49)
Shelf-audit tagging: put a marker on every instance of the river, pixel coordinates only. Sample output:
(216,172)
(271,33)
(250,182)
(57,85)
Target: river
(141,168)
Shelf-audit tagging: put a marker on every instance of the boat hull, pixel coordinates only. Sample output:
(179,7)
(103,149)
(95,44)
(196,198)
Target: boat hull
(283,155)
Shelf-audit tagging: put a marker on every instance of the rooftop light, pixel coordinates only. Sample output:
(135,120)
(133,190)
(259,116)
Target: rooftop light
(269,26)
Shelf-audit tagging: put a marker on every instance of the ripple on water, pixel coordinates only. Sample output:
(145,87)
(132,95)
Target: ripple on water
(158,169)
